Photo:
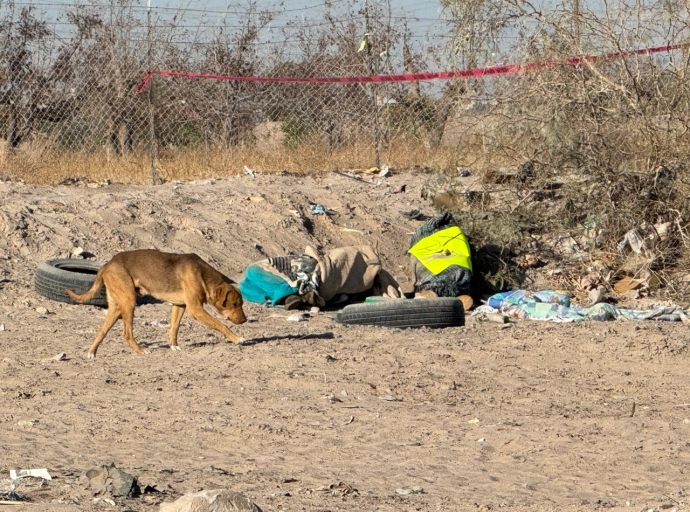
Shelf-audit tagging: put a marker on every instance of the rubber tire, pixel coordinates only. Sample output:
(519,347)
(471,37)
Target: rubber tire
(404,313)
(53,276)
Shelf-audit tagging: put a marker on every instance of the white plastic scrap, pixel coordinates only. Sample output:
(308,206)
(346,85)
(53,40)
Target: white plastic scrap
(36,473)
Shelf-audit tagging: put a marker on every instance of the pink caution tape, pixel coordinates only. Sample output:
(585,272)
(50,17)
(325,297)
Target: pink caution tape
(507,69)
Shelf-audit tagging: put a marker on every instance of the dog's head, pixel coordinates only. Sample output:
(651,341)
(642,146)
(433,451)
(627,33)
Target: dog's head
(228,302)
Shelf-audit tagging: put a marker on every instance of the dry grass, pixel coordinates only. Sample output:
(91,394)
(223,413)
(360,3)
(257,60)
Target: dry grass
(49,167)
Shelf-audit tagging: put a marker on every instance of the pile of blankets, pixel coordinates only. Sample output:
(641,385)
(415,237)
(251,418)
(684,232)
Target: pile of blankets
(318,278)
(555,306)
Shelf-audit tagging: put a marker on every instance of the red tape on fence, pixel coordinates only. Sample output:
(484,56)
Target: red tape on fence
(507,69)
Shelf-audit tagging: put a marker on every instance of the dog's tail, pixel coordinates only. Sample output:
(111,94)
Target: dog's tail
(97,284)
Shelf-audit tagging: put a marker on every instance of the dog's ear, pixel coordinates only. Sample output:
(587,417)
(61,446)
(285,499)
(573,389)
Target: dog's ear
(221,293)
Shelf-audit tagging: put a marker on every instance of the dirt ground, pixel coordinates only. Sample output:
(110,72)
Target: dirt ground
(534,417)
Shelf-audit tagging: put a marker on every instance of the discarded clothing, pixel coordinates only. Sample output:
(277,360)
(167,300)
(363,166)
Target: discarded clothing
(441,257)
(273,279)
(318,278)
(555,306)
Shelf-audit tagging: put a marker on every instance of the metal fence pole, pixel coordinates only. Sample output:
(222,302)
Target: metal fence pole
(153,150)
(372,70)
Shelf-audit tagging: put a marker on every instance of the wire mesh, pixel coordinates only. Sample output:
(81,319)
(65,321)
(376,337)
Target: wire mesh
(69,72)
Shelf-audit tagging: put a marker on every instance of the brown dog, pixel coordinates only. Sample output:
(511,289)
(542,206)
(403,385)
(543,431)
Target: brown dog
(184,280)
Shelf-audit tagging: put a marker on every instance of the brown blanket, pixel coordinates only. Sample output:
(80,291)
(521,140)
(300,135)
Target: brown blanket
(353,270)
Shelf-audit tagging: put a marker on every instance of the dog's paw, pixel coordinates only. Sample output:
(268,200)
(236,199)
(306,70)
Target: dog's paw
(175,348)
(91,356)
(240,341)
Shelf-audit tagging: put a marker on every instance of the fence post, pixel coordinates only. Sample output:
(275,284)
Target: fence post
(372,70)
(153,150)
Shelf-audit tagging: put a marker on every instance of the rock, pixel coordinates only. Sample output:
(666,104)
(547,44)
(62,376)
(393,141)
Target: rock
(112,480)
(219,500)
(42,311)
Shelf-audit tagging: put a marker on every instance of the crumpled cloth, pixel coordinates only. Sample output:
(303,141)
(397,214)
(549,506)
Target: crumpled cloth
(318,278)
(549,305)
(351,270)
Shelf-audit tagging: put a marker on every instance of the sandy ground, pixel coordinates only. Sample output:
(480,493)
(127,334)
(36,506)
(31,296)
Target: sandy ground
(534,417)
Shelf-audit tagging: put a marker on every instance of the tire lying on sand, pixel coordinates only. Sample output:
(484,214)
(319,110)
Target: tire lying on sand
(53,276)
(403,313)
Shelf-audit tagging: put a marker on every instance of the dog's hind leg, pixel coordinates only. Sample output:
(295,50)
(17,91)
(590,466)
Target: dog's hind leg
(121,291)
(128,332)
(110,319)
(175,318)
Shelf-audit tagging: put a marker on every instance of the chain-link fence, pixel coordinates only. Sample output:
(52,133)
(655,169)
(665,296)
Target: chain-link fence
(69,74)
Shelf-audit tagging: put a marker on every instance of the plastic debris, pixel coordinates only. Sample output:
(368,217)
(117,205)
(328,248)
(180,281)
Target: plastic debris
(36,473)
(318,209)
(403,491)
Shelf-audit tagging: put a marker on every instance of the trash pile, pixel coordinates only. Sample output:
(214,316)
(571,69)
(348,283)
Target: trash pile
(556,306)
(317,279)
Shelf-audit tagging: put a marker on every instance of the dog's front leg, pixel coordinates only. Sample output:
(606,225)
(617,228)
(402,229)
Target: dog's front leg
(175,318)
(199,313)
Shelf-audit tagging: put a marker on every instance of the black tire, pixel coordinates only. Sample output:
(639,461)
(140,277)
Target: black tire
(53,276)
(403,313)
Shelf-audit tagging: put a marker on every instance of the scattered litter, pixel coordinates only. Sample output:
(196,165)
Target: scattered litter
(633,240)
(350,420)
(41,310)
(23,473)
(404,491)
(297,317)
(493,317)
(390,398)
(340,487)
(350,230)
(62,356)
(11,497)
(319,209)
(596,295)
(314,310)
(371,170)
(415,215)
(105,500)
(2,327)
(474,421)
(481,440)
(385,171)
(549,305)
(249,171)
(256,199)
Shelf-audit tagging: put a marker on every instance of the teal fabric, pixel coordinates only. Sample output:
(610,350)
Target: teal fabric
(261,286)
